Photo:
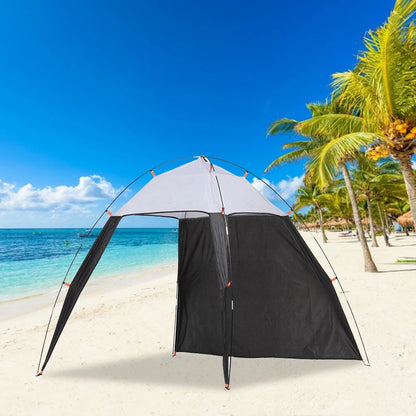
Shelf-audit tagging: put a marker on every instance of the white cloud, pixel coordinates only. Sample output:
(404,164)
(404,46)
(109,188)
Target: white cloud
(63,197)
(286,187)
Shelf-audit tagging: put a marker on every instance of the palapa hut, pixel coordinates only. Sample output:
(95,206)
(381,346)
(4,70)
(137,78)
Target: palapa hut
(336,224)
(406,220)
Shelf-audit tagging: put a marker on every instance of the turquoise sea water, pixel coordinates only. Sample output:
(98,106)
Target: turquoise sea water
(35,260)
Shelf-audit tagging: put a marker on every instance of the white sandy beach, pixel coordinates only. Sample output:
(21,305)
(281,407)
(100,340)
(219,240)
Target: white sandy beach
(114,356)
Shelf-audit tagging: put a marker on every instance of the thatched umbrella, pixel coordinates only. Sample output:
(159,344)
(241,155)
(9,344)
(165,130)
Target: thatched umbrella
(312,225)
(365,221)
(405,220)
(334,223)
(344,223)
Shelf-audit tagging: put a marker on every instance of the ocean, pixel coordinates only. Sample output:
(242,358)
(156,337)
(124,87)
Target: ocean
(33,261)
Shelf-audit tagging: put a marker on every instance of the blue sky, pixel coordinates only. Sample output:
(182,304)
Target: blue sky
(93,93)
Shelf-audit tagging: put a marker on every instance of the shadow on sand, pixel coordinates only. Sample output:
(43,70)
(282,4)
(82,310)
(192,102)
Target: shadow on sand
(203,371)
(397,271)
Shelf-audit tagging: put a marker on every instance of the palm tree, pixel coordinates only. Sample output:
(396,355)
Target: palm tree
(339,204)
(336,202)
(363,188)
(310,194)
(311,216)
(385,183)
(386,198)
(332,141)
(372,180)
(382,88)
(397,208)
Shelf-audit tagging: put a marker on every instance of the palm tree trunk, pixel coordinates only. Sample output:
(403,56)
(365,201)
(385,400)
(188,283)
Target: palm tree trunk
(367,228)
(345,218)
(410,182)
(383,225)
(369,265)
(321,224)
(389,223)
(371,221)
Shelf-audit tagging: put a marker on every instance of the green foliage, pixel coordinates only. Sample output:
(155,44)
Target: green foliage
(284,125)
(406,261)
(382,86)
(364,104)
(325,160)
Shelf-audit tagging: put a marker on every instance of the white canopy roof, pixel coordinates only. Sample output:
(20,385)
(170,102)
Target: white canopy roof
(195,190)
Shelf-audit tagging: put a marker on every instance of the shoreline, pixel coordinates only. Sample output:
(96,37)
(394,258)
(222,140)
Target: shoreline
(16,307)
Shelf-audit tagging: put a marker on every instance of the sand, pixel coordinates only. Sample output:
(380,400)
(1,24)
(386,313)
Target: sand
(114,357)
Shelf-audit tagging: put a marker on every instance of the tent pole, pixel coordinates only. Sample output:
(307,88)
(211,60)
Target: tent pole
(176,320)
(228,335)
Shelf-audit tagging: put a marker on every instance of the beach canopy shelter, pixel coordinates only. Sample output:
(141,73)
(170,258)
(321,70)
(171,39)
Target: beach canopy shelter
(248,285)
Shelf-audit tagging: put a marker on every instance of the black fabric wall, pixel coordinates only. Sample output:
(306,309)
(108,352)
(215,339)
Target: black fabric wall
(200,291)
(284,303)
(80,280)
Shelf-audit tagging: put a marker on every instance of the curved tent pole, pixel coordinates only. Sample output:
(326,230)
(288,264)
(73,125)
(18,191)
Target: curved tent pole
(39,372)
(317,242)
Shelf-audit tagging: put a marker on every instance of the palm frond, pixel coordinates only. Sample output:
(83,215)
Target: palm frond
(300,144)
(292,156)
(330,125)
(387,178)
(357,95)
(319,109)
(324,165)
(382,85)
(284,125)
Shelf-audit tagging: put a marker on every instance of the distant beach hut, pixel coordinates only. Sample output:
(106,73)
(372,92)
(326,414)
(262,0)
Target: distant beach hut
(406,220)
(331,223)
(336,223)
(312,225)
(365,221)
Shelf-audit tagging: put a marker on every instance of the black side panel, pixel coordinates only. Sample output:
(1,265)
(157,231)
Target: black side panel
(201,301)
(284,302)
(81,279)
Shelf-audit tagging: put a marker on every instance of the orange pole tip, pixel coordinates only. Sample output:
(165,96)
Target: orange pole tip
(227,387)
(229,284)
(289,212)
(174,354)
(67,284)
(333,280)
(245,175)
(108,212)
(154,174)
